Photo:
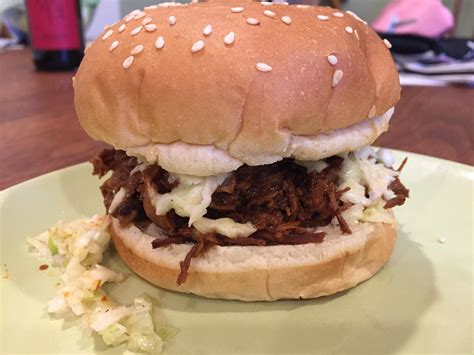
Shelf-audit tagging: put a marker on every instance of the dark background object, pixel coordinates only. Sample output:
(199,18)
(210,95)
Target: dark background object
(456,48)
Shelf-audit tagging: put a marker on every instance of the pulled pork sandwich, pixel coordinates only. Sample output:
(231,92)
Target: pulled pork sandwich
(242,167)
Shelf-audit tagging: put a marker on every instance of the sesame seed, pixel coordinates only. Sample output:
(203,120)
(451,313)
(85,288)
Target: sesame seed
(138,49)
(354,15)
(207,30)
(263,67)
(121,28)
(302,6)
(107,34)
(332,59)
(229,38)
(236,10)
(266,3)
(128,62)
(323,17)
(151,7)
(372,112)
(285,3)
(253,21)
(197,46)
(160,42)
(356,34)
(113,45)
(269,13)
(387,43)
(146,21)
(337,77)
(171,20)
(349,29)
(136,30)
(338,14)
(139,16)
(151,27)
(131,15)
(286,20)
(106,27)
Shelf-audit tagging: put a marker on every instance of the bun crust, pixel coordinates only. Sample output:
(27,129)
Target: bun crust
(216,96)
(262,273)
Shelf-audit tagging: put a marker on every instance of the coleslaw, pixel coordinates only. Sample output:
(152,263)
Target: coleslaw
(77,249)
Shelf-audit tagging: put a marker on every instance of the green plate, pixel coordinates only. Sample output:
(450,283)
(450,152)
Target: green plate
(421,302)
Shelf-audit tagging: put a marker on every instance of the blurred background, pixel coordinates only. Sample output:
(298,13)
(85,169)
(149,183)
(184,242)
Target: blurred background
(463,10)
(432,39)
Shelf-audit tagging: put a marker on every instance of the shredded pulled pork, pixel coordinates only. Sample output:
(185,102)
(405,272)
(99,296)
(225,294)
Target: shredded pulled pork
(400,191)
(281,198)
(282,201)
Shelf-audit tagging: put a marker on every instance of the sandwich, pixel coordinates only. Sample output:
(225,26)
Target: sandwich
(241,164)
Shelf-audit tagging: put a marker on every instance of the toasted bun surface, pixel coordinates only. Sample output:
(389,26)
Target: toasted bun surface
(216,96)
(262,273)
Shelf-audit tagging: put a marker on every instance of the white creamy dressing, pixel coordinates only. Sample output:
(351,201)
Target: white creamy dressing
(117,200)
(224,226)
(191,198)
(363,167)
(310,166)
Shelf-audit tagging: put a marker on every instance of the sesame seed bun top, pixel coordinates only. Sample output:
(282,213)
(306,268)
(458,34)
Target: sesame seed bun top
(243,79)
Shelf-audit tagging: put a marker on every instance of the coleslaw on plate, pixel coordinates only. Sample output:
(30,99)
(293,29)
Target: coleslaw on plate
(77,249)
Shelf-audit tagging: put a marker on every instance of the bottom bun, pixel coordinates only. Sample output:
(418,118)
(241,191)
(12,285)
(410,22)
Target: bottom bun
(262,273)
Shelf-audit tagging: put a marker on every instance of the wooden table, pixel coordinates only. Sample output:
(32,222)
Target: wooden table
(39,131)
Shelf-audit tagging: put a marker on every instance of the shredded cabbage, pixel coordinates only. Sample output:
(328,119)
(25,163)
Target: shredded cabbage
(77,248)
(368,174)
(364,168)
(191,197)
